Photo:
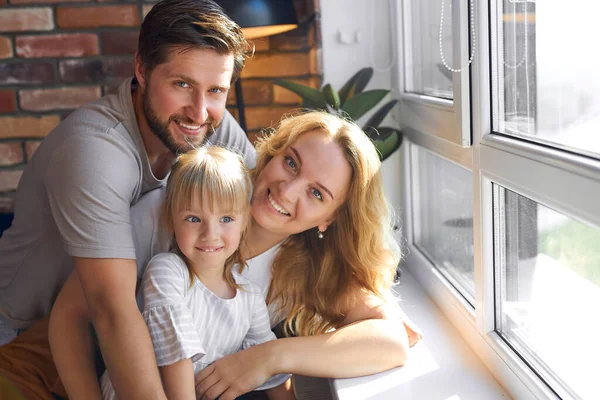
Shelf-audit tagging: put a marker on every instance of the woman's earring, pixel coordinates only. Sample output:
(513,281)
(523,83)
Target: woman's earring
(319,234)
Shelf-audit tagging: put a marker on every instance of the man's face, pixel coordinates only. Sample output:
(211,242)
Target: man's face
(184,98)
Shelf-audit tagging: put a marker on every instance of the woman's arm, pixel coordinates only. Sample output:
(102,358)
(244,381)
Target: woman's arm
(178,380)
(71,343)
(373,339)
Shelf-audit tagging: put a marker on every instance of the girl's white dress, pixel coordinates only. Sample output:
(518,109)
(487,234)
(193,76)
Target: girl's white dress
(189,321)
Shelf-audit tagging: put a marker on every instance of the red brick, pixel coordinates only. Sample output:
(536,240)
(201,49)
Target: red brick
(26,73)
(119,43)
(261,44)
(146,9)
(297,39)
(57,99)
(95,70)
(316,62)
(264,117)
(9,179)
(62,45)
(23,127)
(7,203)
(97,17)
(254,93)
(276,65)
(11,153)
(46,1)
(26,19)
(5,47)
(8,102)
(30,148)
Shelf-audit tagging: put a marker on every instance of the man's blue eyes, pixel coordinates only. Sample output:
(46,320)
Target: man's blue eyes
(185,85)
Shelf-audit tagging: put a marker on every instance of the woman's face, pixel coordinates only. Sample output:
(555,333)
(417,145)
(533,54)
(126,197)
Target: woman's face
(302,186)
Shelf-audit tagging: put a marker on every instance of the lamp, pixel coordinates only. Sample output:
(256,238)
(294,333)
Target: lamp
(258,19)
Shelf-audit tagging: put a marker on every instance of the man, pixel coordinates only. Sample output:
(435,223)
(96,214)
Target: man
(72,210)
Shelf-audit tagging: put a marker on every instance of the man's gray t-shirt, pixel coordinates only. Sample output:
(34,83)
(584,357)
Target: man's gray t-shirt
(74,197)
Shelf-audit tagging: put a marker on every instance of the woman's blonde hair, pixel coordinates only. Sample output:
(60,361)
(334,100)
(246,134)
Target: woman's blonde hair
(316,281)
(214,177)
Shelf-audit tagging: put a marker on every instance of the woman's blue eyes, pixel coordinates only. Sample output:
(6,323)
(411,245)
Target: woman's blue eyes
(317,194)
(224,220)
(290,163)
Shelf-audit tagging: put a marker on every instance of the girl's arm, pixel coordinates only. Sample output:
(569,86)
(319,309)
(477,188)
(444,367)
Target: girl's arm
(178,380)
(71,342)
(374,340)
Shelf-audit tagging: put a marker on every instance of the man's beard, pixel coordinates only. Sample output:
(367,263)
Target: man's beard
(162,132)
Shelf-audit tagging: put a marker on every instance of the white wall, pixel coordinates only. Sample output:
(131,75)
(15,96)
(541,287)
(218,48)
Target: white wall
(367,24)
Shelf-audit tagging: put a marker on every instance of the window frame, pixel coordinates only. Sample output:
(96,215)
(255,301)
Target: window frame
(492,158)
(447,119)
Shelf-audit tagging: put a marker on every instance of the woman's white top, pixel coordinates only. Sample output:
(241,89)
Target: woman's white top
(189,321)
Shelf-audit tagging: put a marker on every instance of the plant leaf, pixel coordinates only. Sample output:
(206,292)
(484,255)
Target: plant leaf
(381,133)
(331,96)
(356,84)
(312,98)
(358,105)
(379,115)
(388,146)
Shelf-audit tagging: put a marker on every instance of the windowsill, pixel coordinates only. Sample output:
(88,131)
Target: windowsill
(441,366)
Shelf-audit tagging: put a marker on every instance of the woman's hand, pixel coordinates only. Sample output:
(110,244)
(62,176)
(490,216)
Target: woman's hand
(413,331)
(236,374)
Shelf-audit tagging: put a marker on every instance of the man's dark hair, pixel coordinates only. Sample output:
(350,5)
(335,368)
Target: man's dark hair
(189,24)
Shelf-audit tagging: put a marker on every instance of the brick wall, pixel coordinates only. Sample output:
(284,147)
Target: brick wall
(56,55)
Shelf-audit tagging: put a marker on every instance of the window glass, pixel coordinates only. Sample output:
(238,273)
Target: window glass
(444,218)
(548,291)
(425,72)
(548,86)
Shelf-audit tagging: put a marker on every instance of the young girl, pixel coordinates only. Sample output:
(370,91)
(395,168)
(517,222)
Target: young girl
(197,307)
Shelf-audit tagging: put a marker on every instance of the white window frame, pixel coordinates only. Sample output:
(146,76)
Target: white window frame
(493,158)
(444,118)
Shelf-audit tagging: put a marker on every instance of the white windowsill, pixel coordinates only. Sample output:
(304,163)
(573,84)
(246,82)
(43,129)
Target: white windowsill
(441,366)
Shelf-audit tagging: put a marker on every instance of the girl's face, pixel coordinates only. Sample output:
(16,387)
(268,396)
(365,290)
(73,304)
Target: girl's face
(301,187)
(207,238)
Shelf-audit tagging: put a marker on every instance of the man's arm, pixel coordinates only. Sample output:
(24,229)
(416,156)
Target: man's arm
(71,343)
(109,289)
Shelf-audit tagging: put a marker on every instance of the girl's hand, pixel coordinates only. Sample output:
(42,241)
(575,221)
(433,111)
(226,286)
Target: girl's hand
(235,374)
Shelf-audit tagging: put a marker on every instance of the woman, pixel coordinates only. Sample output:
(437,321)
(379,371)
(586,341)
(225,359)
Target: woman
(321,236)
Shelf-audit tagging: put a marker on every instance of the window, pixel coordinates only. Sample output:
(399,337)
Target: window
(504,228)
(443,221)
(547,274)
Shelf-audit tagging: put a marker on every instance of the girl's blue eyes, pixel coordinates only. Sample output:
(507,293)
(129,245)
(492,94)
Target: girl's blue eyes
(192,219)
(226,220)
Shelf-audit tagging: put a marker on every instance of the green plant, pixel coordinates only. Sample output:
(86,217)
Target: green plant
(352,102)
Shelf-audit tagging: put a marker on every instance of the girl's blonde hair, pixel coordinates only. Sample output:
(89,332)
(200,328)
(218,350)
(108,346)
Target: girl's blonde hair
(216,178)
(316,281)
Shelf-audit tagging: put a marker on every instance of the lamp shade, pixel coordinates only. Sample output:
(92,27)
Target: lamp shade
(260,18)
